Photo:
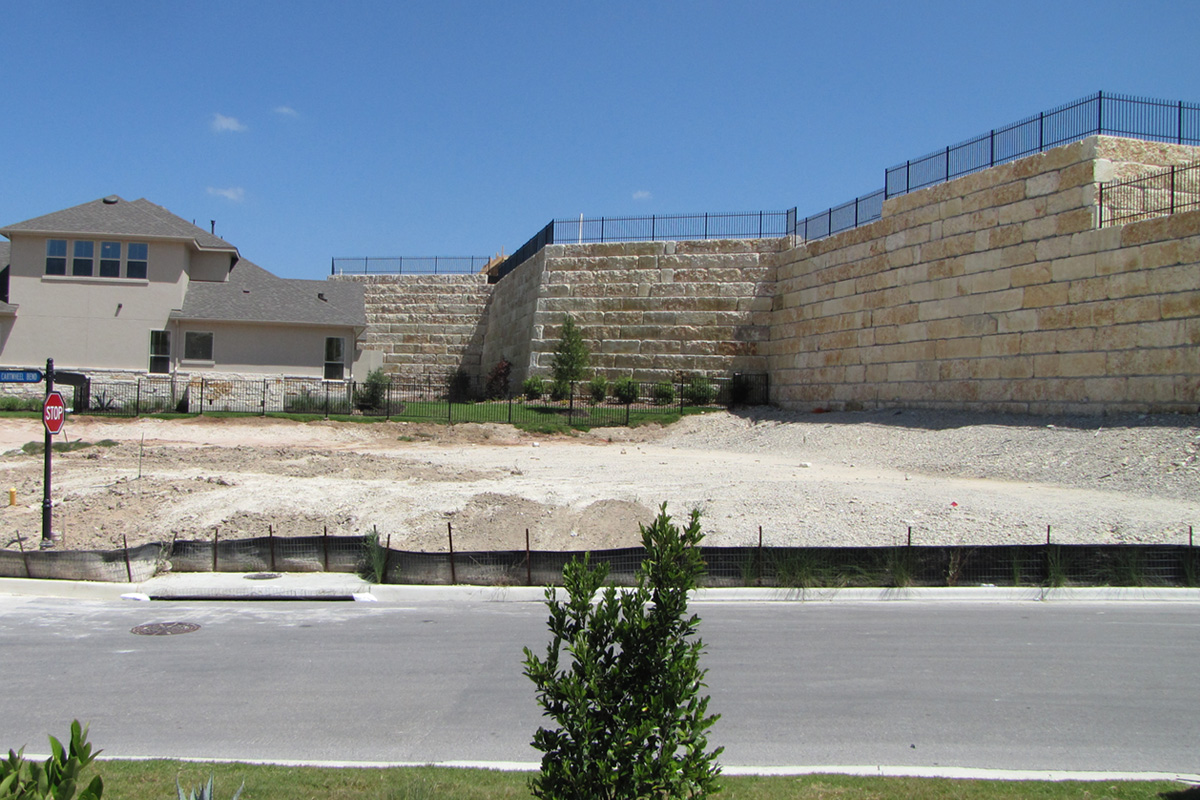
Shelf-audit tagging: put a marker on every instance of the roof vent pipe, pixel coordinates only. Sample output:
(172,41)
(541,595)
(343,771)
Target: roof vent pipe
(212,227)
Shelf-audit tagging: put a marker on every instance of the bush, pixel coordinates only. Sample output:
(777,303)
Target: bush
(739,390)
(699,391)
(598,389)
(533,387)
(496,387)
(11,403)
(458,389)
(560,390)
(627,701)
(663,393)
(571,357)
(371,394)
(55,779)
(625,390)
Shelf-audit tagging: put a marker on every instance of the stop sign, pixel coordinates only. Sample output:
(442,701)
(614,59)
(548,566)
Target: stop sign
(54,412)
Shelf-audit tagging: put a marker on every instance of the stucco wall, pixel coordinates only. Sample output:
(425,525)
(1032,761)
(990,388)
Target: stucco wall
(88,322)
(997,291)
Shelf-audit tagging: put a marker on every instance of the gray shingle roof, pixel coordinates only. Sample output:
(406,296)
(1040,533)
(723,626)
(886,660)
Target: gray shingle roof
(112,216)
(251,294)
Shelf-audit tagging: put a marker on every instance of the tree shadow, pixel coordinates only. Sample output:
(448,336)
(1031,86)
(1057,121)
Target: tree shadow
(1190,793)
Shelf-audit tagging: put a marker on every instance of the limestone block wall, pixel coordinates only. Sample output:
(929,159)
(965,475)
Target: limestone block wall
(510,318)
(653,309)
(425,324)
(997,291)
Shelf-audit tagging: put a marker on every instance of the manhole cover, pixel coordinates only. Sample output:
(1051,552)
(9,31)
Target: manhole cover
(165,628)
(264,576)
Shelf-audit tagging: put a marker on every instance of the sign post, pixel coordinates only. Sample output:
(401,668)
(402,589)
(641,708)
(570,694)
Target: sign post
(54,412)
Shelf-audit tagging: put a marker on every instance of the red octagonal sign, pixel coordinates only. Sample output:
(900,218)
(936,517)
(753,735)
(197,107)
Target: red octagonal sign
(54,412)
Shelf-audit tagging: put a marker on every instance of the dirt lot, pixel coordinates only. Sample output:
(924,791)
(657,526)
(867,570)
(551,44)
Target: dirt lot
(829,479)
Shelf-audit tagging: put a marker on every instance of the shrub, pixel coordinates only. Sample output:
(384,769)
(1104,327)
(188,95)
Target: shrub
(458,389)
(571,357)
(631,721)
(496,387)
(699,391)
(663,393)
(372,393)
(598,389)
(205,792)
(55,779)
(739,390)
(533,387)
(560,390)
(375,558)
(625,390)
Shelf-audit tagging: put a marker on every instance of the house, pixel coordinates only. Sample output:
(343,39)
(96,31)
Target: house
(126,286)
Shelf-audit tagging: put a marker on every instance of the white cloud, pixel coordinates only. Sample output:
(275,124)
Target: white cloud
(235,194)
(224,124)
(641,195)
(287,111)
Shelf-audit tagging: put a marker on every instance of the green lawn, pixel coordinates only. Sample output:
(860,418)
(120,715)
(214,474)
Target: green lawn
(155,780)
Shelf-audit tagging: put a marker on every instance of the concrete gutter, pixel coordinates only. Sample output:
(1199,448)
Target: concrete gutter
(344,586)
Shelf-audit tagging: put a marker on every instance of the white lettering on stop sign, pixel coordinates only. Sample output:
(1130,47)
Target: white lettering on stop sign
(54,413)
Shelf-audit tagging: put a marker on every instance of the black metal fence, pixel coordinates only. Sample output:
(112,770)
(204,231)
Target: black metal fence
(1168,191)
(408,265)
(456,397)
(654,228)
(1098,114)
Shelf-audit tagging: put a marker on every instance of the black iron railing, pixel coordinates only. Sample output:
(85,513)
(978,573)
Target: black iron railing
(408,265)
(1099,114)
(1158,194)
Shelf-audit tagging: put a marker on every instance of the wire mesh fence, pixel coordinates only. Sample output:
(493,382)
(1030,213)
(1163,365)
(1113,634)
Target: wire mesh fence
(1051,565)
(1169,191)
(454,397)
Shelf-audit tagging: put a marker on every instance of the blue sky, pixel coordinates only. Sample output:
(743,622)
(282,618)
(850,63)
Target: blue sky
(310,130)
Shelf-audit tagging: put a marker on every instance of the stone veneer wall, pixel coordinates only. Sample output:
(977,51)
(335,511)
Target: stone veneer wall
(649,310)
(998,291)
(425,324)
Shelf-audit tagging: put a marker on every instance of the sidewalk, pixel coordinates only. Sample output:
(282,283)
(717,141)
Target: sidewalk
(326,586)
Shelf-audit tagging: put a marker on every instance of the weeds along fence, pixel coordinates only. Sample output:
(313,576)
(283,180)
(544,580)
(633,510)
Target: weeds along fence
(446,398)
(1051,565)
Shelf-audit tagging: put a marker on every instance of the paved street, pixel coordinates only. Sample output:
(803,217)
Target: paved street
(1066,686)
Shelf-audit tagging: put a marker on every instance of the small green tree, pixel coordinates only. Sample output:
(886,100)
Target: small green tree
(631,721)
(571,357)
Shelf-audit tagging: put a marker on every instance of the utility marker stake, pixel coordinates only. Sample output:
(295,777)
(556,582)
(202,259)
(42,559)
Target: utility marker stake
(24,555)
(450,538)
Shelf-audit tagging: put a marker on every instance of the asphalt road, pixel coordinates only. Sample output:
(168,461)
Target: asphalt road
(1039,686)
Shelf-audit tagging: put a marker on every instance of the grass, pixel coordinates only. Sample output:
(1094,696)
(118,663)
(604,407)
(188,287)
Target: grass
(154,780)
(37,448)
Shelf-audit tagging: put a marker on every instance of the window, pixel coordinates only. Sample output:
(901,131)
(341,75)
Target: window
(160,352)
(81,264)
(110,259)
(56,257)
(335,358)
(135,266)
(198,346)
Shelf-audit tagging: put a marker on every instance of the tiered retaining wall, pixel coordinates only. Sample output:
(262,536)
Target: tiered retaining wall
(994,291)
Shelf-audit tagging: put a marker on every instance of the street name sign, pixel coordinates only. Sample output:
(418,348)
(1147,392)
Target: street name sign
(21,376)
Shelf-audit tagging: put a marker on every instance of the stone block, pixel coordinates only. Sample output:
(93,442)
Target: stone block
(1073,268)
(1040,295)
(1136,309)
(1041,184)
(1039,227)
(1050,249)
(1181,304)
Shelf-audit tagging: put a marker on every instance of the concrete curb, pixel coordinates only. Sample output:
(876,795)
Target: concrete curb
(343,586)
(884,771)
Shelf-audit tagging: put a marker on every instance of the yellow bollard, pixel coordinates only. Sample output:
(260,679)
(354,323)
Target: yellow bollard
(12,496)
